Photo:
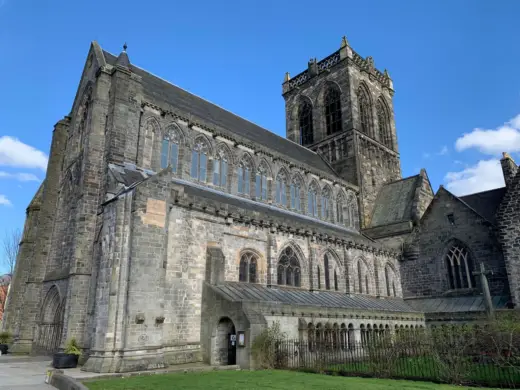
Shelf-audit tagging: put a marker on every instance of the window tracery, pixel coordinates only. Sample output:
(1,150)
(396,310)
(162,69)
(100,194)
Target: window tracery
(296,194)
(364,109)
(199,160)
(384,124)
(305,123)
(333,110)
(281,189)
(460,267)
(248,268)
(312,199)
(289,272)
(261,182)
(170,149)
(220,168)
(244,176)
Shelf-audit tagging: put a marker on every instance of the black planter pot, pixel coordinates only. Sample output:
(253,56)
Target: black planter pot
(3,349)
(64,360)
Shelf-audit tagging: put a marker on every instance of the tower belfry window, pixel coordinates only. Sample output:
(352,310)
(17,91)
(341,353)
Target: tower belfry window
(305,123)
(333,111)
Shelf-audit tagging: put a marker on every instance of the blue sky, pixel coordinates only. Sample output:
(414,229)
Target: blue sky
(454,65)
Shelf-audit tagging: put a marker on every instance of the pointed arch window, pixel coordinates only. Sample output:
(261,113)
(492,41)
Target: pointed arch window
(325,204)
(261,182)
(289,272)
(296,195)
(339,210)
(248,268)
(333,110)
(244,177)
(460,268)
(312,206)
(318,274)
(305,123)
(390,281)
(336,286)
(364,111)
(383,123)
(360,278)
(281,189)
(220,169)
(170,150)
(199,160)
(352,211)
(327,272)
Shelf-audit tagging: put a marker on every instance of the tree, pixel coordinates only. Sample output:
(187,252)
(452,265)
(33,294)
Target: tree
(11,243)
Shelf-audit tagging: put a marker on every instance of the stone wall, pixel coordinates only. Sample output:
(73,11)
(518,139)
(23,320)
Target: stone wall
(358,157)
(508,216)
(428,275)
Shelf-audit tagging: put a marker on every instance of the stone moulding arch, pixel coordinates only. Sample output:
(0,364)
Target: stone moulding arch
(299,254)
(175,129)
(51,306)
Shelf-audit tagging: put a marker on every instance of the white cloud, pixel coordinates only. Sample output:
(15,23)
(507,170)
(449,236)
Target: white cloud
(19,176)
(15,153)
(505,138)
(485,175)
(4,201)
(443,151)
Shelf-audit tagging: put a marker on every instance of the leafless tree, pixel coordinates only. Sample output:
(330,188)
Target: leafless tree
(11,244)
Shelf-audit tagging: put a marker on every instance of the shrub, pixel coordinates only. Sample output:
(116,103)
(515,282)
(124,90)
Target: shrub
(5,337)
(266,348)
(72,347)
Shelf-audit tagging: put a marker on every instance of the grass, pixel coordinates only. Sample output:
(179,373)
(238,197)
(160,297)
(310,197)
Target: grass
(252,380)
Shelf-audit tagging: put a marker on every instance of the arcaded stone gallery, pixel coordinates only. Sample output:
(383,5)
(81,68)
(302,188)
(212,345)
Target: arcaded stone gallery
(169,230)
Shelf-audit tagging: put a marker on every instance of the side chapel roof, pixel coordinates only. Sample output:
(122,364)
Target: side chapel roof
(394,202)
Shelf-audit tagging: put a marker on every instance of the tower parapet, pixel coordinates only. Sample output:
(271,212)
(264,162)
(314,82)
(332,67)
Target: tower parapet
(345,52)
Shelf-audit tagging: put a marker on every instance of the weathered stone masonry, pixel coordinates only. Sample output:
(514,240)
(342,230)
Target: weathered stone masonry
(166,224)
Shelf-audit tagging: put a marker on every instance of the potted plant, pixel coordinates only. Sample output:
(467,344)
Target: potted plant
(69,357)
(5,338)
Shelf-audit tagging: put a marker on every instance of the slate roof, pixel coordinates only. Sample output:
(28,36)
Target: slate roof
(209,112)
(250,292)
(394,202)
(455,304)
(485,203)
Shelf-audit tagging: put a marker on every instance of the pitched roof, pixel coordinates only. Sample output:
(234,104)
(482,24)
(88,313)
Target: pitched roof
(250,292)
(485,203)
(209,112)
(394,202)
(456,304)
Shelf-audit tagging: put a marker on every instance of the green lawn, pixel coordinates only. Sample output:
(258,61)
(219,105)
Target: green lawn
(252,380)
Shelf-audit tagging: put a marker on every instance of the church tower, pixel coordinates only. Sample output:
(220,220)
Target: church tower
(341,107)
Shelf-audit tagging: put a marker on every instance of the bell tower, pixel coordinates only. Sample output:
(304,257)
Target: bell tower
(341,107)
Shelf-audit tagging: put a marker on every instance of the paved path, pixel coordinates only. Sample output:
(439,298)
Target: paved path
(23,373)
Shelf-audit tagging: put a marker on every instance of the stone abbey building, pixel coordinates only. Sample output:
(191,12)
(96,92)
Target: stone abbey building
(167,226)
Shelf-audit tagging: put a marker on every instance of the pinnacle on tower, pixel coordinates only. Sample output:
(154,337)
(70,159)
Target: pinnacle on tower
(387,75)
(344,42)
(123,60)
(287,77)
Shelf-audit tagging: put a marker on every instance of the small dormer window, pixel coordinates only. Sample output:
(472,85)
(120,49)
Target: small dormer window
(451,219)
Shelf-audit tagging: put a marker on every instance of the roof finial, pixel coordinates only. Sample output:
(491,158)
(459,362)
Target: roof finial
(344,42)
(287,77)
(125,46)
(506,155)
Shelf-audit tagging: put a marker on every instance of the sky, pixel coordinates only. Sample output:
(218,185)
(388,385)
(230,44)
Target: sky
(454,66)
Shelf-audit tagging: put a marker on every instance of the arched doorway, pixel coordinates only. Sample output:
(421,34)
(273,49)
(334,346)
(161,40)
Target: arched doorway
(50,324)
(226,343)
